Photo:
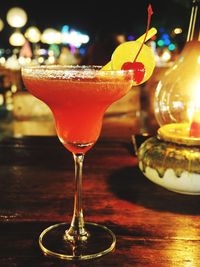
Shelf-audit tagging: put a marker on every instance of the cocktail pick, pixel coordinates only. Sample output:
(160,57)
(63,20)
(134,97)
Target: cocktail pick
(138,67)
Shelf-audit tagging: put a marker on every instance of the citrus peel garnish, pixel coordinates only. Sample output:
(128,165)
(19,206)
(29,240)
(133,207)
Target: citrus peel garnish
(150,34)
(127,51)
(130,55)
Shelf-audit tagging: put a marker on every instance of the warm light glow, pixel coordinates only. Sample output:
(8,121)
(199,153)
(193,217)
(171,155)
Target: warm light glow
(187,254)
(74,39)
(178,30)
(57,37)
(16,17)
(2,60)
(50,53)
(51,36)
(21,60)
(40,60)
(120,38)
(166,56)
(33,34)
(51,60)
(24,61)
(180,83)
(65,37)
(17,39)
(1,99)
(195,92)
(194,105)
(13,88)
(190,111)
(1,25)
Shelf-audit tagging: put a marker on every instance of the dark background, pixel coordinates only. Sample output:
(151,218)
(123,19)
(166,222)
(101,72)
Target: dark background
(93,17)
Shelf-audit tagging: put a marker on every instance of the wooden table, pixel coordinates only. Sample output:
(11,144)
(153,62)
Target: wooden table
(153,226)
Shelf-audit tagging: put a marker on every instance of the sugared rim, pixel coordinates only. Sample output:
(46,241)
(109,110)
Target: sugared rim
(62,67)
(70,71)
(71,67)
(177,133)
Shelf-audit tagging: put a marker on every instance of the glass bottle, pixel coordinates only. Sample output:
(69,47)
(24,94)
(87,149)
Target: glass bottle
(177,96)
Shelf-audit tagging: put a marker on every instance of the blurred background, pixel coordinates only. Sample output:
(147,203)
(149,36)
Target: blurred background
(82,32)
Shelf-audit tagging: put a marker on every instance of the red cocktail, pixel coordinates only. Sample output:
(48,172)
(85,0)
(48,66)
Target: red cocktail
(78,97)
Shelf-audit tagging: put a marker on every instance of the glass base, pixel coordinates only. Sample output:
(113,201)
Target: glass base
(100,241)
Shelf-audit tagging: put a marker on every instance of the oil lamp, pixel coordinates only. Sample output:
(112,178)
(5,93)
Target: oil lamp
(172,158)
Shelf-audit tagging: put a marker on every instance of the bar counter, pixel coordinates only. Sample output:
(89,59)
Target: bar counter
(153,226)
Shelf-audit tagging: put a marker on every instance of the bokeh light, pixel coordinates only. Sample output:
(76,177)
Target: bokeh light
(17,39)
(33,34)
(1,25)
(16,17)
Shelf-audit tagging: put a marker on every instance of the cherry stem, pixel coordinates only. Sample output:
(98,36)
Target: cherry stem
(150,12)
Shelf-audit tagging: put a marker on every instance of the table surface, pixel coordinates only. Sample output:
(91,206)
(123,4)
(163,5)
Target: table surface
(153,226)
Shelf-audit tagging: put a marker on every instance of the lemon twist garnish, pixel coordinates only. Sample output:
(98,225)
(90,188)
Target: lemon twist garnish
(150,34)
(135,55)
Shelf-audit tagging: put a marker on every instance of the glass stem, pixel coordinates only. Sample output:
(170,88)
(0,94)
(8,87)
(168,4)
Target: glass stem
(77,231)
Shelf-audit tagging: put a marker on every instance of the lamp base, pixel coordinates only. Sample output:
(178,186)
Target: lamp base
(174,167)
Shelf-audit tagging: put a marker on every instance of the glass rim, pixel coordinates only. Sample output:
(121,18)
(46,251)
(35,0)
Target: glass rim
(72,71)
(57,67)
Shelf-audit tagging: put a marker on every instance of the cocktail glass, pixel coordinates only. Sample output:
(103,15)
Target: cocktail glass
(78,97)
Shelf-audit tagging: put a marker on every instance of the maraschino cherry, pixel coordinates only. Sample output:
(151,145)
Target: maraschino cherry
(138,67)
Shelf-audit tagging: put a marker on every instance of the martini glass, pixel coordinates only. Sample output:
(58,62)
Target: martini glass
(78,97)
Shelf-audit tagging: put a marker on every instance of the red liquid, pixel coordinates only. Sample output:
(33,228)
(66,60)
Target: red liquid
(78,105)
